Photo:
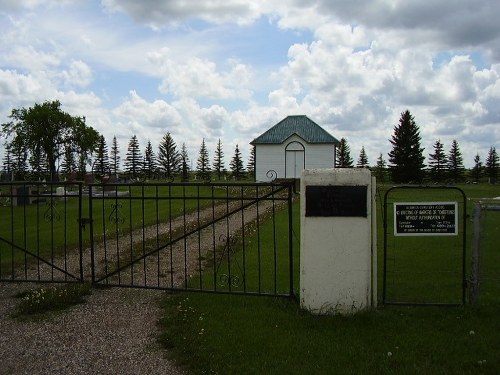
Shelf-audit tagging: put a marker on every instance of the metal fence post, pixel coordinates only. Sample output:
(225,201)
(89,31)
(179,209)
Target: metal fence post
(476,240)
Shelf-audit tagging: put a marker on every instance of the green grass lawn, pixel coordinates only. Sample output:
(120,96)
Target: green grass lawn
(227,334)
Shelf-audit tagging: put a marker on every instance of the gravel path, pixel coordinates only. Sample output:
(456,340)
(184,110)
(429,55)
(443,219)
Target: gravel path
(114,332)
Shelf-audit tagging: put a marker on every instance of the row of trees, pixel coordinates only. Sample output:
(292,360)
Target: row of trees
(407,159)
(168,161)
(43,141)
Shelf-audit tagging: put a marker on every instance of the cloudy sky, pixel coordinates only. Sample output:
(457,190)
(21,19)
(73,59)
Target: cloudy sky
(230,69)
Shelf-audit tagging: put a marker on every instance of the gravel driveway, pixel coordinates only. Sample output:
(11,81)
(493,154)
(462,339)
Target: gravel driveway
(114,332)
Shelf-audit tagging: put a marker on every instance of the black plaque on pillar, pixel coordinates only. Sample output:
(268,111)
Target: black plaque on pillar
(343,201)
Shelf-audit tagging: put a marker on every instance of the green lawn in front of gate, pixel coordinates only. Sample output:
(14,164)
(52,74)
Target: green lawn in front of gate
(212,334)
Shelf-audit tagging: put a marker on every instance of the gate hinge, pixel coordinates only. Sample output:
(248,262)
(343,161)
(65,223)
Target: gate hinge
(84,221)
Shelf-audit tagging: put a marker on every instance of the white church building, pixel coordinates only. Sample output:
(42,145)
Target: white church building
(292,145)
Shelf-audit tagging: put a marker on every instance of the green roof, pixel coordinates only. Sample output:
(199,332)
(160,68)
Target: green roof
(302,126)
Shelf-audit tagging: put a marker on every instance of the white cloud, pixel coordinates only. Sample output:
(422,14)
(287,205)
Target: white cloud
(197,77)
(78,74)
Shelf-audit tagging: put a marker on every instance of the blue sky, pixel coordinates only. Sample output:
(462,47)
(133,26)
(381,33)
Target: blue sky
(230,69)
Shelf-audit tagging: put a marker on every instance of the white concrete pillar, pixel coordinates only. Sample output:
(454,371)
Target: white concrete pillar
(338,246)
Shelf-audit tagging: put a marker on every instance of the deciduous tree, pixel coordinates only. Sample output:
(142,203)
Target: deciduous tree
(44,131)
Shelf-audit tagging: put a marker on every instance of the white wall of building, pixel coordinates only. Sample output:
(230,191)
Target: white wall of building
(272,157)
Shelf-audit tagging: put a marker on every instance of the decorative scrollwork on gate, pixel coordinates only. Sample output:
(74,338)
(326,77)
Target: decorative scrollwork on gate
(116,217)
(272,175)
(51,214)
(232,278)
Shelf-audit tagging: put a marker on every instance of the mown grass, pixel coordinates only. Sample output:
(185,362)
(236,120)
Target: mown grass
(227,334)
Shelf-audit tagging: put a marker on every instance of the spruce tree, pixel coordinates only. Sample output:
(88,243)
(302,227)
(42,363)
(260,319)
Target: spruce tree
(363,159)
(219,159)
(133,161)
(251,163)
(115,157)
(492,165)
(477,169)
(343,156)
(184,163)
(203,165)
(236,164)
(380,169)
(101,163)
(438,162)
(406,156)
(456,168)
(169,159)
(69,162)
(149,161)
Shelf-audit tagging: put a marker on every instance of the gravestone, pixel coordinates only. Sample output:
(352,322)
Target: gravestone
(338,252)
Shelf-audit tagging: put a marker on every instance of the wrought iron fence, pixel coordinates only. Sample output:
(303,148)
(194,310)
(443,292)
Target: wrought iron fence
(40,236)
(214,237)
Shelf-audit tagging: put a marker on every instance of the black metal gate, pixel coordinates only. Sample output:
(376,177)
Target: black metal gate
(213,237)
(424,245)
(40,235)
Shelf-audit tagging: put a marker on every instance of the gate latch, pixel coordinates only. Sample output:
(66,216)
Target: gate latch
(84,221)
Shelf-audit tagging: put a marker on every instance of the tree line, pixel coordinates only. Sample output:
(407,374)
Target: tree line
(43,141)
(407,159)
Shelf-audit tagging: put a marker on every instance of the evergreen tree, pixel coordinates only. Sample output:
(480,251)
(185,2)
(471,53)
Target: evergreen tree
(477,169)
(219,159)
(236,164)
(363,159)
(406,156)
(169,159)
(69,162)
(101,163)
(7,164)
(184,163)
(149,161)
(115,157)
(251,163)
(438,162)
(343,156)
(19,156)
(492,165)
(456,168)
(133,161)
(203,165)
(380,169)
